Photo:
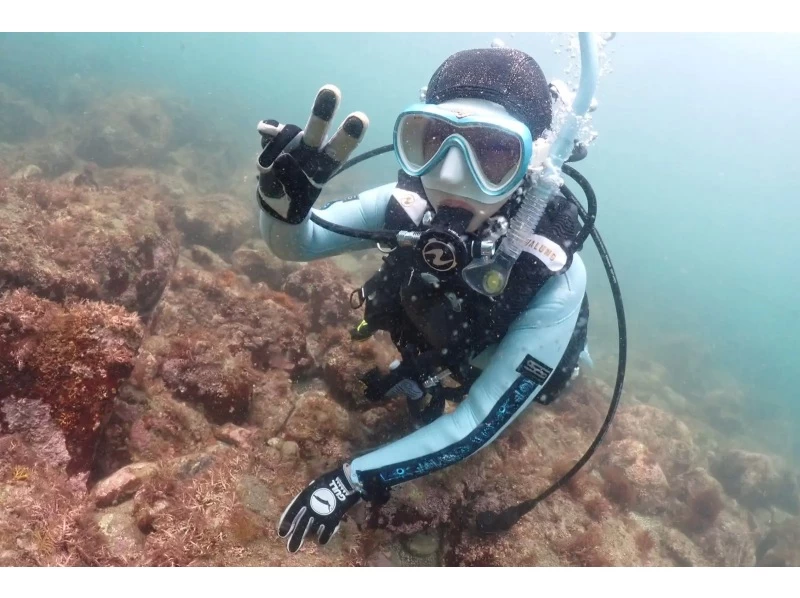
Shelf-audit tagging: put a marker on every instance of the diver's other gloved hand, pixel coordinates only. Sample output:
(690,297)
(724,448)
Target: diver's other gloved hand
(295,163)
(318,509)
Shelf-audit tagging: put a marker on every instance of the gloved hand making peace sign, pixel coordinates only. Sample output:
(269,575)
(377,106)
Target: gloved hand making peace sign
(295,163)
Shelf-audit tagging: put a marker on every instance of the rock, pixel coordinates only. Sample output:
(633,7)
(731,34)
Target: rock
(255,495)
(220,222)
(289,449)
(729,542)
(326,289)
(126,129)
(228,317)
(642,472)
(33,420)
(667,438)
(53,158)
(164,427)
(380,559)
(65,243)
(273,401)
(121,485)
(320,426)
(29,173)
(684,552)
(220,383)
(147,514)
(209,168)
(781,546)
(122,536)
(758,480)
(423,544)
(233,435)
(9,558)
(176,190)
(254,260)
(676,401)
(206,258)
(345,361)
(61,369)
(702,500)
(762,516)
(192,465)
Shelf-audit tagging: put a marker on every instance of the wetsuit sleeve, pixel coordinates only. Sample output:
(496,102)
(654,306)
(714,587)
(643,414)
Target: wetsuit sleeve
(517,369)
(308,241)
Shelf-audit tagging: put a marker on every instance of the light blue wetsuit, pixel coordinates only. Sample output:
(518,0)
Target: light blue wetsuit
(505,386)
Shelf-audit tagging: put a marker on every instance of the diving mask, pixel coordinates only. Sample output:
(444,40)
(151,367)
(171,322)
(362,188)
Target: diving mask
(496,147)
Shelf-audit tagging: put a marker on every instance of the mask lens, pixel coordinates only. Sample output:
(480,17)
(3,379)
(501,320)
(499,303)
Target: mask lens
(498,153)
(411,137)
(436,131)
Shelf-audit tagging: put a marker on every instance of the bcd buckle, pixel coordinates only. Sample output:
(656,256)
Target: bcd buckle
(357,298)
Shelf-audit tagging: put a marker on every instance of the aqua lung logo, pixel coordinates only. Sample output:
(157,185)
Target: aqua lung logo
(439,255)
(323,501)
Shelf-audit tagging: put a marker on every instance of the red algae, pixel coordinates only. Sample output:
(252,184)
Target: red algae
(61,369)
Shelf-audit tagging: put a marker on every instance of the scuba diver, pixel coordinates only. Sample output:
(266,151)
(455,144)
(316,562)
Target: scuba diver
(468,153)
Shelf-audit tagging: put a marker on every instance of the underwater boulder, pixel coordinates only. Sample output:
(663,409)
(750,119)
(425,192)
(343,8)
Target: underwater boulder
(30,173)
(322,428)
(125,129)
(221,383)
(226,312)
(65,242)
(61,369)
(635,468)
(344,361)
(122,484)
(121,536)
(699,500)
(758,480)
(52,157)
(326,289)
(781,545)
(220,222)
(225,346)
(667,438)
(729,543)
(259,264)
(272,402)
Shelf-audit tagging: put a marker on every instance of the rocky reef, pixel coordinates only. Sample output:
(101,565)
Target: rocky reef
(169,385)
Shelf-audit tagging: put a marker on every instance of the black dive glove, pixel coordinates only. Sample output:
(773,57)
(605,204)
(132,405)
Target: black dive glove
(318,510)
(295,163)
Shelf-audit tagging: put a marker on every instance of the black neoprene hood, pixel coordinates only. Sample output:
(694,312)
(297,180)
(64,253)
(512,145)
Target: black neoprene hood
(505,76)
